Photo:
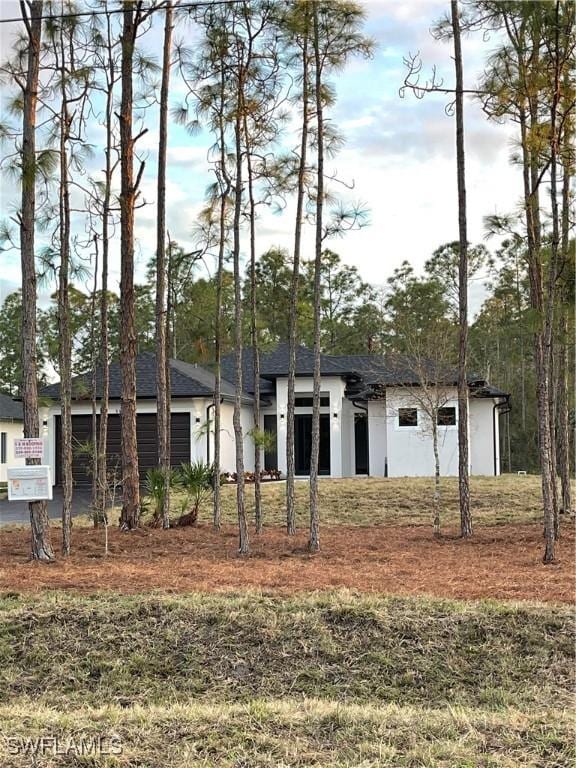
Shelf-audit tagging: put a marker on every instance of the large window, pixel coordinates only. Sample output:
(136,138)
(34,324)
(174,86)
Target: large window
(407,417)
(446,417)
(3,446)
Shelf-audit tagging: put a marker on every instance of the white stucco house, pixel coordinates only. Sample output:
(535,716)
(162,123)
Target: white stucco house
(372,420)
(11,427)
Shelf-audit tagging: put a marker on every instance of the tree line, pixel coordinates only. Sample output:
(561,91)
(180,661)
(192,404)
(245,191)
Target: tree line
(256,69)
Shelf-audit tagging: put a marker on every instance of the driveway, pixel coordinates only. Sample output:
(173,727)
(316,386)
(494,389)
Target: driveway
(17,511)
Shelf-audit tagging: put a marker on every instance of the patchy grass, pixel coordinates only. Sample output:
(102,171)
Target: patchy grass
(62,650)
(299,734)
(329,680)
(394,501)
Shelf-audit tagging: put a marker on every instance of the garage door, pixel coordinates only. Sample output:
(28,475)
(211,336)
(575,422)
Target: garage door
(147,432)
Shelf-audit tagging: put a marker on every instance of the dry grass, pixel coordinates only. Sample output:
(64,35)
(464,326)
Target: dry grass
(331,680)
(397,501)
(295,734)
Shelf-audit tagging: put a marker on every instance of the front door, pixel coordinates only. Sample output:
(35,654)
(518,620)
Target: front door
(361,443)
(303,444)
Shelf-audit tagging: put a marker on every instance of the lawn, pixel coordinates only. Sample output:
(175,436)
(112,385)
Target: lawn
(402,500)
(336,679)
(381,650)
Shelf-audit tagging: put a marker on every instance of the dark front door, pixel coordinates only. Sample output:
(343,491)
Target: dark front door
(271,454)
(361,443)
(147,435)
(303,444)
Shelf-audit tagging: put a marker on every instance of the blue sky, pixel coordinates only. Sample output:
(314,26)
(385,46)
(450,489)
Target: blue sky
(399,155)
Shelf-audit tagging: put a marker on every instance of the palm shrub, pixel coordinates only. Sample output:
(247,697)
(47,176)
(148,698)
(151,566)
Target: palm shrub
(196,479)
(155,490)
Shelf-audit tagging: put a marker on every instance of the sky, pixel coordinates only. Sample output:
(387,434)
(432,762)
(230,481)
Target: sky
(398,159)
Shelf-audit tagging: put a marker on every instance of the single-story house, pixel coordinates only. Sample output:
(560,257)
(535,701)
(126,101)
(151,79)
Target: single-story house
(371,423)
(11,427)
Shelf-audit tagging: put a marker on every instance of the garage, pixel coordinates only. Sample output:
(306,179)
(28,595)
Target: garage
(147,432)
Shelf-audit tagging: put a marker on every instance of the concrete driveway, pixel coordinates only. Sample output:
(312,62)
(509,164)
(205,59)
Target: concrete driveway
(17,511)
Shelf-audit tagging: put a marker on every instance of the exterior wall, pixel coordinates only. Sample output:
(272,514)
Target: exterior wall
(482,423)
(377,438)
(410,448)
(13,429)
(198,439)
(333,386)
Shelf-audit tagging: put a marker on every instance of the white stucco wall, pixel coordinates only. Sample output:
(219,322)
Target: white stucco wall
(333,386)
(482,437)
(12,429)
(377,437)
(410,448)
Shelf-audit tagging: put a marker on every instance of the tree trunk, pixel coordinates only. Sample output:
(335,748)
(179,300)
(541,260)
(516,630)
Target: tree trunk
(463,450)
(244,543)
(162,394)
(254,337)
(437,496)
(41,548)
(65,340)
(293,312)
(130,515)
(314,538)
(224,180)
(93,390)
(104,345)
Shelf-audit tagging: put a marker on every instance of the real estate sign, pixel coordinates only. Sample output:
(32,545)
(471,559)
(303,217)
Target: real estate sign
(28,448)
(29,483)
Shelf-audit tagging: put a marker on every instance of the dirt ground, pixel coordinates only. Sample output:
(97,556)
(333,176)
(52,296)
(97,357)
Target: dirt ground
(502,562)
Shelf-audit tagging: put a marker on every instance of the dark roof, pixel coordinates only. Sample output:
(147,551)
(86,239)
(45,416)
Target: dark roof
(365,374)
(275,363)
(488,390)
(186,380)
(10,410)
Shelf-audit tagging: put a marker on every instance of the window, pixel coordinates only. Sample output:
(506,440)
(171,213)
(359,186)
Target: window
(3,436)
(306,402)
(446,417)
(407,417)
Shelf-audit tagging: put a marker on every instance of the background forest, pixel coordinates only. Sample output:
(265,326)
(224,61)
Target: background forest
(357,318)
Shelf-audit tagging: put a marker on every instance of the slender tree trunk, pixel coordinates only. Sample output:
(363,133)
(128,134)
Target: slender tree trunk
(65,340)
(254,336)
(244,543)
(162,394)
(293,312)
(130,515)
(93,389)
(104,343)
(563,415)
(437,490)
(224,180)
(463,452)
(314,537)
(41,548)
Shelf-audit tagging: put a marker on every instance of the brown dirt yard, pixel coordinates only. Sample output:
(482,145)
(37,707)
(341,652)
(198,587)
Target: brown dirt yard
(501,561)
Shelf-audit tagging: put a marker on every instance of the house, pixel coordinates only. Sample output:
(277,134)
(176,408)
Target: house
(11,427)
(371,421)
